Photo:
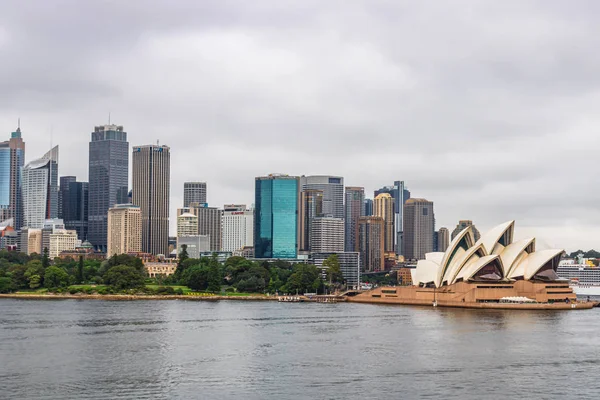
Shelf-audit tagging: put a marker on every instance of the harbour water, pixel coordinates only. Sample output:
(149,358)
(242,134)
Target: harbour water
(268,350)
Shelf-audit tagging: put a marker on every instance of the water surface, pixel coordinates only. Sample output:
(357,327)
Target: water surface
(266,350)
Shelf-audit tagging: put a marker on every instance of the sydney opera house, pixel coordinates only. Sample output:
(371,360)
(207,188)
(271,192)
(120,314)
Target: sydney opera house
(494,272)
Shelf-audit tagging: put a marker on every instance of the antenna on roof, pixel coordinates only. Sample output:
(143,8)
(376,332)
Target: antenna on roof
(19,124)
(109,117)
(157,142)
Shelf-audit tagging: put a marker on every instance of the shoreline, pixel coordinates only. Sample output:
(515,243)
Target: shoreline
(130,297)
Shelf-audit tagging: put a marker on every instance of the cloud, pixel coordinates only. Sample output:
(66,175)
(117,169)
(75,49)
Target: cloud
(487,108)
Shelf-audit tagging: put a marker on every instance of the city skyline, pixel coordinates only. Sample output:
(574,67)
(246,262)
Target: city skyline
(278,91)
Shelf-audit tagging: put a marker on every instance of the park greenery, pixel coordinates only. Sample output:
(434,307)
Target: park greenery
(37,273)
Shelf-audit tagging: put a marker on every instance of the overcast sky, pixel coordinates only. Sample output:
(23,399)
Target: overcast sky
(488,108)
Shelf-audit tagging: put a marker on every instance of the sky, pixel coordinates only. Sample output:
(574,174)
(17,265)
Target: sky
(487,108)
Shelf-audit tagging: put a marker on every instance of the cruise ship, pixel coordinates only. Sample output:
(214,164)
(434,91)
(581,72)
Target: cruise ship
(584,277)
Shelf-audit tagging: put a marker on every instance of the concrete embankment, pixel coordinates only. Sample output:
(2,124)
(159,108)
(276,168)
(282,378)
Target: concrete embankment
(125,297)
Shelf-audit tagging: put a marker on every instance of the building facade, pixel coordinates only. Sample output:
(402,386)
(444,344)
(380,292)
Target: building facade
(124,229)
(333,192)
(349,265)
(354,208)
(194,193)
(327,235)
(370,238)
(368,208)
(40,190)
(108,179)
(151,192)
(195,245)
(62,240)
(209,223)
(462,224)
(384,208)
(187,224)
(443,239)
(12,157)
(237,230)
(276,216)
(419,228)
(399,195)
(73,199)
(311,206)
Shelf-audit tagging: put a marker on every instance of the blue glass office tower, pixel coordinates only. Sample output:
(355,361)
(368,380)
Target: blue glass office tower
(276,216)
(12,157)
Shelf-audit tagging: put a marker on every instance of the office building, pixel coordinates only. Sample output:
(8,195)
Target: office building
(187,224)
(108,179)
(209,223)
(235,207)
(124,229)
(384,208)
(62,240)
(196,245)
(400,194)
(12,158)
(419,227)
(354,209)
(349,265)
(311,206)
(443,239)
(151,192)
(370,244)
(368,208)
(30,241)
(194,193)
(73,199)
(40,190)
(237,229)
(462,224)
(327,235)
(333,192)
(276,216)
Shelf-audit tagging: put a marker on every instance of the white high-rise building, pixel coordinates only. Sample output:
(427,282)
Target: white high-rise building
(40,190)
(62,240)
(187,224)
(237,230)
(327,235)
(124,229)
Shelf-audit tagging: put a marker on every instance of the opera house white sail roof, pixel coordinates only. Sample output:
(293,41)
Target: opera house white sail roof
(493,258)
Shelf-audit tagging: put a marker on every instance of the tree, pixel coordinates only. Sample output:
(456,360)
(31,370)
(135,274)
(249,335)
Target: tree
(334,272)
(55,277)
(124,277)
(46,258)
(6,285)
(214,276)
(80,266)
(181,265)
(35,281)
(306,278)
(196,277)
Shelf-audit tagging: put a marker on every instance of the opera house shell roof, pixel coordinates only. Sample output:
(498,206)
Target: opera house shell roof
(495,257)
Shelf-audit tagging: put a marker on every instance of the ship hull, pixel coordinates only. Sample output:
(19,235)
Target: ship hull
(586,290)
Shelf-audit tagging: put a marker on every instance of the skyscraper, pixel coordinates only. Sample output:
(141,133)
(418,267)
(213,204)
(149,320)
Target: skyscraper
(12,157)
(327,235)
(276,216)
(108,176)
(124,229)
(194,192)
(209,223)
(384,208)
(368,207)
(74,205)
(333,192)
(419,227)
(400,194)
(237,230)
(354,209)
(370,243)
(40,190)
(443,237)
(151,192)
(311,206)
(462,224)
(187,225)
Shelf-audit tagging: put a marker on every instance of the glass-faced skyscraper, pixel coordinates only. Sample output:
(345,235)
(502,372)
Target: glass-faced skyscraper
(12,157)
(276,216)
(108,179)
(74,205)
(40,190)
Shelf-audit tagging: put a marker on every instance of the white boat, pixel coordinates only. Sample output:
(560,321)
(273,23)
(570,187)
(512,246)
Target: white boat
(583,276)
